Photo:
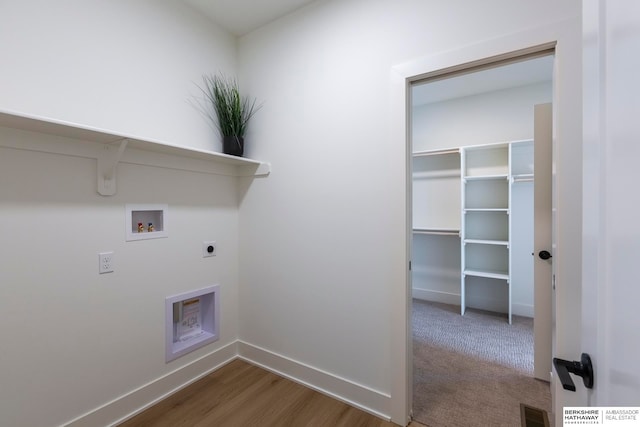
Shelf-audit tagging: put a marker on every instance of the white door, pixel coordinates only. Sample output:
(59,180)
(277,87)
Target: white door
(542,242)
(611,200)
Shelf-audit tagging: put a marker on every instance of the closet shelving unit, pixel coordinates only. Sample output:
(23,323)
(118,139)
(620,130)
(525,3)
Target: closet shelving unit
(484,236)
(436,220)
(467,193)
(436,178)
(488,175)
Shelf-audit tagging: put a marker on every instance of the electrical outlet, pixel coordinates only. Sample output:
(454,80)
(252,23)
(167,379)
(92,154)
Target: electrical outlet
(105,262)
(209,249)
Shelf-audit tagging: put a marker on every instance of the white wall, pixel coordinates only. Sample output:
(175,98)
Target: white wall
(126,66)
(498,116)
(323,242)
(74,340)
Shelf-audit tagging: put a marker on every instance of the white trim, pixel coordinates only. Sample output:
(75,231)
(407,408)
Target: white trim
(525,310)
(136,401)
(357,395)
(436,296)
(132,403)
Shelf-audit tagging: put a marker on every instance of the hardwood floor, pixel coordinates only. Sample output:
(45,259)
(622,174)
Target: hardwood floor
(240,394)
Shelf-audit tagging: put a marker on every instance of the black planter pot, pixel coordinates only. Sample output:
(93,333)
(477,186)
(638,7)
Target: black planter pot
(233,145)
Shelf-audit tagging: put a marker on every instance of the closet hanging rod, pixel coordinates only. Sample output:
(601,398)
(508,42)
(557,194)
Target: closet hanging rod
(436,152)
(437,231)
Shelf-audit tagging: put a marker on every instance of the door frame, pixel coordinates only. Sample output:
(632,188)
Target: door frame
(565,36)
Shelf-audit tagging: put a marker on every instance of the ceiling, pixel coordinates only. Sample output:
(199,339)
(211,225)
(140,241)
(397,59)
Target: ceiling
(240,17)
(517,74)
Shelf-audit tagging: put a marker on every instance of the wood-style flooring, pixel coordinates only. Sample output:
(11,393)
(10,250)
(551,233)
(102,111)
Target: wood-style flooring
(240,394)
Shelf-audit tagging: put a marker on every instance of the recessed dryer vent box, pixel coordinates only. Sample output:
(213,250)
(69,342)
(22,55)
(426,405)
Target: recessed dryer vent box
(192,320)
(146,222)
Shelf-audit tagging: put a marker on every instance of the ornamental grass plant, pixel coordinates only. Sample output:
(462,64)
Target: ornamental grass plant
(231,112)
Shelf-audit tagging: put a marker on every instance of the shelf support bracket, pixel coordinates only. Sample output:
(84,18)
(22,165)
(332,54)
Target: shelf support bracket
(108,159)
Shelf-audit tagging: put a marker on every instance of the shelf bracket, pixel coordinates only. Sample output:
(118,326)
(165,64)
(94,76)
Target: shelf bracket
(108,159)
(263,170)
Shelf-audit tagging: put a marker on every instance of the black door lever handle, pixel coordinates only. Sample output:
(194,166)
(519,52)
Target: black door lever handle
(544,254)
(583,369)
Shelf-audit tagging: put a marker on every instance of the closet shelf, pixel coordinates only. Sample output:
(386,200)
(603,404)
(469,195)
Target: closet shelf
(485,177)
(505,210)
(487,273)
(487,242)
(437,231)
(114,144)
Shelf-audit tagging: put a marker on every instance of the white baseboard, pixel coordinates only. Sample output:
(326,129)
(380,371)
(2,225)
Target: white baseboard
(360,396)
(136,401)
(436,296)
(497,306)
(489,304)
(524,310)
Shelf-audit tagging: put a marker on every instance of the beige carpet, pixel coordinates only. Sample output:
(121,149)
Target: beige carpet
(472,370)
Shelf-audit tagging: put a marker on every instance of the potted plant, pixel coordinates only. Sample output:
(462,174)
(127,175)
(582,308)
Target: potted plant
(232,112)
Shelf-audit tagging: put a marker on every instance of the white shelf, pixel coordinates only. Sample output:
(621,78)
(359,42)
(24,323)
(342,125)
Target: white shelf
(487,242)
(114,145)
(492,146)
(485,177)
(506,210)
(503,275)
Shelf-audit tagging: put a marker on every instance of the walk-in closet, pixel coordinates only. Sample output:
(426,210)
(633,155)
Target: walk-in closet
(473,136)
(473,187)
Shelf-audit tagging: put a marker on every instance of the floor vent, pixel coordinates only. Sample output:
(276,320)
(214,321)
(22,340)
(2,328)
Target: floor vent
(533,417)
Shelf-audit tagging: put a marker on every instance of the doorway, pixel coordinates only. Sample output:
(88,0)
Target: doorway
(472,139)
